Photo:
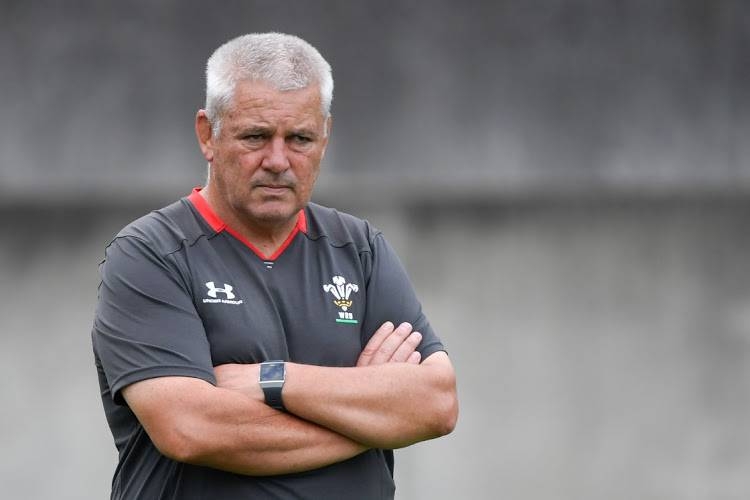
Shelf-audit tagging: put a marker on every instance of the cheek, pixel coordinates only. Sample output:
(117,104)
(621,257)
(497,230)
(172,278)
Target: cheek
(307,177)
(235,170)
(306,166)
(242,165)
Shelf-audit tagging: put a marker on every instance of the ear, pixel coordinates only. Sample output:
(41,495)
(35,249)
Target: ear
(204,134)
(328,126)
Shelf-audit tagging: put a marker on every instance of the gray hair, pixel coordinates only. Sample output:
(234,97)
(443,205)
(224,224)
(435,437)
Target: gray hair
(285,62)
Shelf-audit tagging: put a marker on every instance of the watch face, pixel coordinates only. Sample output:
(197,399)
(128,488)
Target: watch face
(272,371)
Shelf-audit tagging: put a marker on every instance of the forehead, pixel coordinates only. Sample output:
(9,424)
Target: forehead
(260,103)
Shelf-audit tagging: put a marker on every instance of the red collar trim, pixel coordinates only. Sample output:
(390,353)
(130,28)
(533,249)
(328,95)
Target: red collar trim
(200,204)
(218,225)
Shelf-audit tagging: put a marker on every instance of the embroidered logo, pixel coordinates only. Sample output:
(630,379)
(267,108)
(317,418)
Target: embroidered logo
(213,291)
(341,290)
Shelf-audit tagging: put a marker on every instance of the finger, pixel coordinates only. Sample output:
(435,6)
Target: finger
(406,348)
(414,358)
(391,344)
(374,343)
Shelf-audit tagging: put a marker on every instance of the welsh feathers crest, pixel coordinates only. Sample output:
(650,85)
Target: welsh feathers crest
(341,290)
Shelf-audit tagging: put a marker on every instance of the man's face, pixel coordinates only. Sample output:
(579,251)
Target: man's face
(266,157)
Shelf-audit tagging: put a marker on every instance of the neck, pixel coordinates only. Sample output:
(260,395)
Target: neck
(266,236)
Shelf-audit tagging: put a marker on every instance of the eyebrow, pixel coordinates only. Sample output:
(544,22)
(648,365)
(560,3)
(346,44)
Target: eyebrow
(304,131)
(255,128)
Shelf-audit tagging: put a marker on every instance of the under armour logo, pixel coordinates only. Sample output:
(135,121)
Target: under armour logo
(227,290)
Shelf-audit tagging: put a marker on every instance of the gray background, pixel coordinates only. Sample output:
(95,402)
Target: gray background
(567,182)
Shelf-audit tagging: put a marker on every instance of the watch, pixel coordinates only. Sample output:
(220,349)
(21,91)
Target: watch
(272,375)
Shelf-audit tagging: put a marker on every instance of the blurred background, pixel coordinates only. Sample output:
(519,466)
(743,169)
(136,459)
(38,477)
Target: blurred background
(567,182)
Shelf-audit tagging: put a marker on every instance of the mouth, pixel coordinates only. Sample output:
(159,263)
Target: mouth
(274,188)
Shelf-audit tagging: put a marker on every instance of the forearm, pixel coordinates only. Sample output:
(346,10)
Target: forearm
(387,401)
(254,439)
(223,429)
(386,406)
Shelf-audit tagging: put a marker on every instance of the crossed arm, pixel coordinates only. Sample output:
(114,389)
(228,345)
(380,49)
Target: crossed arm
(389,400)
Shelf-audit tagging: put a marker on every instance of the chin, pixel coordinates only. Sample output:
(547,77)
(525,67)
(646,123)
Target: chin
(271,215)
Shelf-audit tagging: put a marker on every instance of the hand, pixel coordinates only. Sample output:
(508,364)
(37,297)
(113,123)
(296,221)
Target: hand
(391,345)
(240,377)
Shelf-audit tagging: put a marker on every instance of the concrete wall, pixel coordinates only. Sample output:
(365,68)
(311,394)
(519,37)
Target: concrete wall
(602,350)
(566,181)
(541,95)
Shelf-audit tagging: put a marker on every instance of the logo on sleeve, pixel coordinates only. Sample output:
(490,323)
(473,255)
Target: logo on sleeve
(214,291)
(342,291)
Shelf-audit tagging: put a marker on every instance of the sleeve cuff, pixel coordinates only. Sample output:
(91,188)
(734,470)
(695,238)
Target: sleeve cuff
(155,372)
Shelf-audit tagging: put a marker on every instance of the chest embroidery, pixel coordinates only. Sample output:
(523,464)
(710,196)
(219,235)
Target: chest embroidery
(342,292)
(214,291)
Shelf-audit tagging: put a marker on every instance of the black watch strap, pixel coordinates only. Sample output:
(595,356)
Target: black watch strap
(273,398)
(272,377)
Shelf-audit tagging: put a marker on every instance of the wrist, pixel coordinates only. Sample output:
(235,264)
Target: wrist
(271,379)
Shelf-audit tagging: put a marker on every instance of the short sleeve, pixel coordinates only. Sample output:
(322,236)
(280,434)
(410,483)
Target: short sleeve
(146,324)
(391,297)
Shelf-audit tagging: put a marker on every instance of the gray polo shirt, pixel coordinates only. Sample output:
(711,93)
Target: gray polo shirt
(181,293)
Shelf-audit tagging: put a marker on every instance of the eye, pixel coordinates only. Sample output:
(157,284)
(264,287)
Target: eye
(301,139)
(254,137)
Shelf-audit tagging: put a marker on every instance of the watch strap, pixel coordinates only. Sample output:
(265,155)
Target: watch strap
(273,398)
(272,384)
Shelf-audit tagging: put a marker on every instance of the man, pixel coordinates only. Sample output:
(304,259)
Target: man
(249,343)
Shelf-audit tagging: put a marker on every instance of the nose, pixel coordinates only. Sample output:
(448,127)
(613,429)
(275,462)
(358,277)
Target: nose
(276,158)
